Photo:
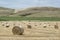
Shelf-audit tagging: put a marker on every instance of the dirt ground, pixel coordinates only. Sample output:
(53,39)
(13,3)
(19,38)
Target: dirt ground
(38,31)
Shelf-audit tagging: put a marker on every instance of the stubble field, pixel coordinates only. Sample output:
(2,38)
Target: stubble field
(36,32)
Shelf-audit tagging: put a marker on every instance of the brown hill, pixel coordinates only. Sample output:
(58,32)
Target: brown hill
(40,12)
(31,12)
(6,11)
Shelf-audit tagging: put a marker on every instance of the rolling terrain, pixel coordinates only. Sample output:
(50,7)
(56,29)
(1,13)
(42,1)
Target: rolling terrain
(6,11)
(31,12)
(50,16)
(40,12)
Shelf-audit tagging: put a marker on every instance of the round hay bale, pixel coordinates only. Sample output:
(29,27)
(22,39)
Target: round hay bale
(40,23)
(2,24)
(35,25)
(17,30)
(49,25)
(44,25)
(56,26)
(29,26)
(7,25)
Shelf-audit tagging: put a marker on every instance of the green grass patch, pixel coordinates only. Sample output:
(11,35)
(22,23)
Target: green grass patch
(8,18)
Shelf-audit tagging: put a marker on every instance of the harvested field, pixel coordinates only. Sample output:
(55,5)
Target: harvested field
(37,31)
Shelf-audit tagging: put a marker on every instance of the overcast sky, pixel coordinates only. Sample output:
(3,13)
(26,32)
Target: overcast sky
(29,3)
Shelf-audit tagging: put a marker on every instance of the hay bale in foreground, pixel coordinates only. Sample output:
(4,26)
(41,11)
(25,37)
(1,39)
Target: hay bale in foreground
(17,30)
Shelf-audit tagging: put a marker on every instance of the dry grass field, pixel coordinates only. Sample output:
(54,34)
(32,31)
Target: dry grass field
(40,30)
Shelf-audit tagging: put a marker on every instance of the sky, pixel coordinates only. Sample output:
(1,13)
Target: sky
(29,3)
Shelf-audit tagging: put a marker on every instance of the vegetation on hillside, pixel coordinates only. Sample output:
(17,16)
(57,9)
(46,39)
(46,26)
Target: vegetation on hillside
(36,13)
(40,12)
(6,11)
(31,12)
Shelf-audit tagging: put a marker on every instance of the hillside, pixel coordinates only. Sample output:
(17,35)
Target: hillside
(31,12)
(6,11)
(40,12)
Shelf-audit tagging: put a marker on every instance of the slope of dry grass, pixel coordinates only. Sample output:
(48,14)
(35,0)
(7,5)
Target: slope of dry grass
(40,12)
(31,12)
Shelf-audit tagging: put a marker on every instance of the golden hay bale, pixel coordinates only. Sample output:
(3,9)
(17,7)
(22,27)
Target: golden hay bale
(17,30)
(49,25)
(56,26)
(2,24)
(13,24)
(7,25)
(29,26)
(40,23)
(44,25)
(35,25)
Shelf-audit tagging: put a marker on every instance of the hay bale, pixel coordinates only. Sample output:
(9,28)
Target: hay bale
(7,25)
(40,23)
(44,25)
(56,26)
(49,25)
(35,25)
(2,24)
(17,30)
(29,26)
